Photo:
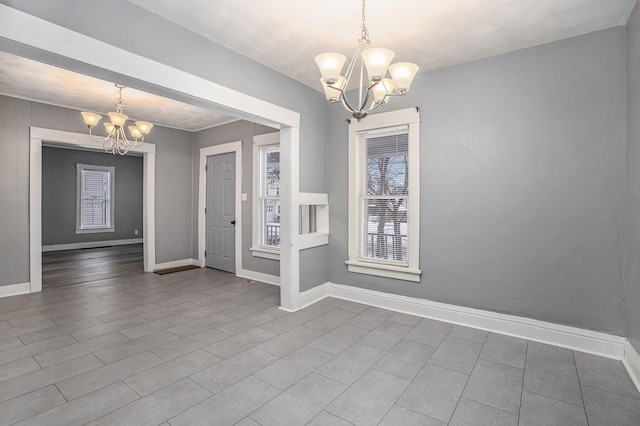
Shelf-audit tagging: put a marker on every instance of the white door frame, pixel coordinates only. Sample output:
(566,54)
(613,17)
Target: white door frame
(226,148)
(59,46)
(37,136)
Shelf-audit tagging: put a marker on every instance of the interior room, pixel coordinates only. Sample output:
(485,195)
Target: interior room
(216,213)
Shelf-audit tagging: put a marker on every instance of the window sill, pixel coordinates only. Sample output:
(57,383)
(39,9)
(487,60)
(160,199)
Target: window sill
(382,270)
(94,230)
(265,253)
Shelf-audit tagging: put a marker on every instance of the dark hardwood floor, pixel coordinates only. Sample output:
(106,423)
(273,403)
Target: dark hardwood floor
(84,266)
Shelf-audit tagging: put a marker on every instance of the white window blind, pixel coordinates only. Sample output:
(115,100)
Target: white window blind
(384,168)
(95,199)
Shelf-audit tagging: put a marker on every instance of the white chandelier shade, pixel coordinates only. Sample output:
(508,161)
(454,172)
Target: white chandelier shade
(330,65)
(116,141)
(377,62)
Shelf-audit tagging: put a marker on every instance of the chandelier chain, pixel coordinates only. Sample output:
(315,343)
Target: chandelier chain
(364,36)
(118,96)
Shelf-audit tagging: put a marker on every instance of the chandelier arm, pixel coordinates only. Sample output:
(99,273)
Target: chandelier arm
(108,148)
(360,102)
(375,105)
(345,101)
(106,138)
(366,98)
(347,106)
(352,64)
(122,150)
(388,95)
(136,142)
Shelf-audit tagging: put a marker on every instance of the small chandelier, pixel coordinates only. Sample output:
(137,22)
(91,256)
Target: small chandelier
(116,140)
(377,61)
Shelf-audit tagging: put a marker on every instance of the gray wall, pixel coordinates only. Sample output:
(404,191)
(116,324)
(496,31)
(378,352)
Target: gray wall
(145,34)
(632,229)
(59,195)
(522,184)
(232,132)
(14,190)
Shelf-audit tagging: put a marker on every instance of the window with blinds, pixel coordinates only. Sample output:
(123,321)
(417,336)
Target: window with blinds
(384,168)
(95,198)
(384,195)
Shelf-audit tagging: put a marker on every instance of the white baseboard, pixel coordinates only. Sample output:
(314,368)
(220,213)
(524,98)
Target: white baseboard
(15,289)
(314,295)
(258,276)
(91,244)
(574,338)
(176,264)
(631,362)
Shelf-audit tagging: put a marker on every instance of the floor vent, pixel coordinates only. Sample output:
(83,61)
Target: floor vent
(172,270)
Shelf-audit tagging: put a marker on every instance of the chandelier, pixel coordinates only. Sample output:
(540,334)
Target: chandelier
(376,61)
(116,140)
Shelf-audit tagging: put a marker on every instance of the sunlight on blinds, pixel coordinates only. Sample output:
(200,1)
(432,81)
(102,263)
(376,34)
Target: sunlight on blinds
(384,192)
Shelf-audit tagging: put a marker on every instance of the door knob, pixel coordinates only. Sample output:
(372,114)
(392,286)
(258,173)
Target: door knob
(233,222)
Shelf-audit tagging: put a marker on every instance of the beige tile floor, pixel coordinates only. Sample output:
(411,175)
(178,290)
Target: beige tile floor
(205,347)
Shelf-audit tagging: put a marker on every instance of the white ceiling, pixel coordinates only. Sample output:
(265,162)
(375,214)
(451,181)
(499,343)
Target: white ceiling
(27,79)
(287,34)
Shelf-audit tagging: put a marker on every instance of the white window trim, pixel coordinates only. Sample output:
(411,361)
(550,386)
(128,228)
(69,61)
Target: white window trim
(112,185)
(355,263)
(257,249)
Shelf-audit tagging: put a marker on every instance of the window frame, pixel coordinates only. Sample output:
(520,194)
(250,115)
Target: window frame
(261,143)
(110,227)
(357,263)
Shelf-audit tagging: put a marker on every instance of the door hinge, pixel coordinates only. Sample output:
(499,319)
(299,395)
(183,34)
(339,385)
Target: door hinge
(205,210)
(205,253)
(206,168)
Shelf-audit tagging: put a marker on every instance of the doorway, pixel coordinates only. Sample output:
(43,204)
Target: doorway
(80,140)
(91,215)
(220,212)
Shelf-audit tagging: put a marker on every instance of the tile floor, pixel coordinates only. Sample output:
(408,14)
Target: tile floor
(205,347)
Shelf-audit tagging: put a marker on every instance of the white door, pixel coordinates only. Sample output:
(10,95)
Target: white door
(220,213)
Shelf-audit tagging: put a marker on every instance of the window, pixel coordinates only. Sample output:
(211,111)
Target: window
(266,199)
(95,189)
(384,188)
